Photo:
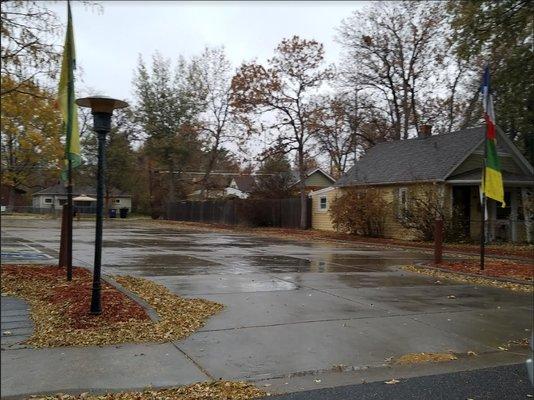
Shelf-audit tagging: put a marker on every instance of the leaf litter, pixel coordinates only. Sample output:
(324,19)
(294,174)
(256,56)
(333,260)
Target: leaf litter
(474,280)
(417,358)
(218,390)
(60,309)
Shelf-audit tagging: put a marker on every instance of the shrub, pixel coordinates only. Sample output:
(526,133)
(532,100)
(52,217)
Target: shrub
(424,206)
(360,212)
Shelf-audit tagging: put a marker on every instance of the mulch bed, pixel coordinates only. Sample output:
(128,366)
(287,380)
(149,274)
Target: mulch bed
(60,309)
(503,270)
(493,268)
(219,390)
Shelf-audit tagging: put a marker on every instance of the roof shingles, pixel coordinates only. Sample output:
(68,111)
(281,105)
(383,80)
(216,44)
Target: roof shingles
(428,159)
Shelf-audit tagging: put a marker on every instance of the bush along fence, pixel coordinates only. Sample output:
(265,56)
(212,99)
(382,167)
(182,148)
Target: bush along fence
(280,213)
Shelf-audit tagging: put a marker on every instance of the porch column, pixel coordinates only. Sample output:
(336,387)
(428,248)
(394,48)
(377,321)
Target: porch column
(513,215)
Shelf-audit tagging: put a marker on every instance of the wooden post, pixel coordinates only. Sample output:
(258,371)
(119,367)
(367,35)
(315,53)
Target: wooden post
(63,240)
(438,241)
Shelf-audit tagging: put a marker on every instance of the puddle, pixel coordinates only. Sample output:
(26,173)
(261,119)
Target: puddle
(173,260)
(276,261)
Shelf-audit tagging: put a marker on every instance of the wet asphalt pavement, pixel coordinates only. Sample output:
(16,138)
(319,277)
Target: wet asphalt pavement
(295,307)
(500,383)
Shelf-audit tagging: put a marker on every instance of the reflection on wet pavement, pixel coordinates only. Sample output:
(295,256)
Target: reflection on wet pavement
(297,305)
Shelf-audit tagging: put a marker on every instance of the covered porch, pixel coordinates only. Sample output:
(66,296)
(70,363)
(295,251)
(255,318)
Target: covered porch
(513,223)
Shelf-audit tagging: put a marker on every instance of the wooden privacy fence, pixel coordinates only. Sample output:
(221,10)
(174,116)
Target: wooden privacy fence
(282,213)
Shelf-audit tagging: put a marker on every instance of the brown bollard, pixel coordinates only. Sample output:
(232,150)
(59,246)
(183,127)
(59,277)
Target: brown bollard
(438,241)
(63,239)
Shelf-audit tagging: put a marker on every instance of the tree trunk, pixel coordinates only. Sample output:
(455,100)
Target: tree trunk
(11,201)
(302,189)
(214,153)
(171,196)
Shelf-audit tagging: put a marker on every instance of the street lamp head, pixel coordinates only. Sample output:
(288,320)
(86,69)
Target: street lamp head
(101,107)
(103,104)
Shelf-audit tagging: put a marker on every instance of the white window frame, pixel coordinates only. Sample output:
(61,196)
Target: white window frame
(48,200)
(117,201)
(320,204)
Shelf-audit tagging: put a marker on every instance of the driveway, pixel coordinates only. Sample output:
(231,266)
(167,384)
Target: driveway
(296,308)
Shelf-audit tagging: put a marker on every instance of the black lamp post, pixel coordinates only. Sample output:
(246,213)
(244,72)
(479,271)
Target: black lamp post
(102,108)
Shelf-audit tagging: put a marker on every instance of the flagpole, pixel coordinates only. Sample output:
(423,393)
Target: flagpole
(70,102)
(69,222)
(483,177)
(483,213)
(69,188)
(72,142)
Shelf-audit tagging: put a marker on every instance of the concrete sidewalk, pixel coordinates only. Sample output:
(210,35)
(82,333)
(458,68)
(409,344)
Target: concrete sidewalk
(81,369)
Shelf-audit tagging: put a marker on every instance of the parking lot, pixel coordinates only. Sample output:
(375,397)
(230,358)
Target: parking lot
(294,307)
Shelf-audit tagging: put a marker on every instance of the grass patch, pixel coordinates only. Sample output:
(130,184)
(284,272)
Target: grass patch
(60,309)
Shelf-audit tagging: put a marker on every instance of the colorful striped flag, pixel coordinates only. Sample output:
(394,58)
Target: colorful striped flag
(492,185)
(65,100)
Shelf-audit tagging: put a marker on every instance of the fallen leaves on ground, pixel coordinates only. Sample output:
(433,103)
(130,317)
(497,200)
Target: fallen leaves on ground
(60,309)
(501,249)
(219,390)
(493,268)
(179,317)
(524,343)
(417,358)
(473,280)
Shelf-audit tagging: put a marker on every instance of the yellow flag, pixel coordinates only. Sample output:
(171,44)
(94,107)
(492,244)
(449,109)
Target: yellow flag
(66,100)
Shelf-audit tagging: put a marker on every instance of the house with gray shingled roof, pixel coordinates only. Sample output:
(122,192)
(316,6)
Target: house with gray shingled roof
(450,164)
(54,197)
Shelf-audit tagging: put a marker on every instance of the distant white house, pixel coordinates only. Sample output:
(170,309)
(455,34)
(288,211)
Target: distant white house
(55,197)
(240,186)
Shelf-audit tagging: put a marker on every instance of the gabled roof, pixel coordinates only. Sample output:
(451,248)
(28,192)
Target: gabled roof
(295,175)
(245,183)
(60,189)
(428,159)
(423,159)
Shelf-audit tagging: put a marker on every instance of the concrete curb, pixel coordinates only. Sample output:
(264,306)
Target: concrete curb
(489,278)
(149,310)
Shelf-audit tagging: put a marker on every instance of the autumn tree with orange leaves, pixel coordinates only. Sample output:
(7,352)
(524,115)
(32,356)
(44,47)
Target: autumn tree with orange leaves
(283,96)
(31,146)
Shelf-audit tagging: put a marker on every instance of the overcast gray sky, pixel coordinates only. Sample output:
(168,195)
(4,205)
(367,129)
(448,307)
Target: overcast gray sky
(108,43)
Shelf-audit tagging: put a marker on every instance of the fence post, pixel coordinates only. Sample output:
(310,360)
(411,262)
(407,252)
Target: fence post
(438,241)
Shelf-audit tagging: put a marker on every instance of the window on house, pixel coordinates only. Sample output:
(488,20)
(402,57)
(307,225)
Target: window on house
(323,203)
(48,200)
(117,201)
(403,202)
